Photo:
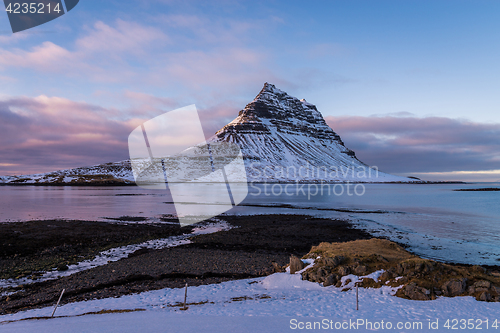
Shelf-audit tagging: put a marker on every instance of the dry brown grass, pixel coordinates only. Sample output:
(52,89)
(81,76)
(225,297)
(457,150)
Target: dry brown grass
(364,248)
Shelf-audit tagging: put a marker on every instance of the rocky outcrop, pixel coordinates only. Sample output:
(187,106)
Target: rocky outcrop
(295,264)
(415,278)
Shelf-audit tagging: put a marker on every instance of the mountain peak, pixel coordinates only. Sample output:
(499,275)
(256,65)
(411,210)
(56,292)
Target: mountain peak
(269,91)
(274,110)
(270,95)
(271,88)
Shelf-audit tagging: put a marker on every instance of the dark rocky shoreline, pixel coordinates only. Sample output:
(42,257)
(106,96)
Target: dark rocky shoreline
(487,189)
(257,246)
(29,248)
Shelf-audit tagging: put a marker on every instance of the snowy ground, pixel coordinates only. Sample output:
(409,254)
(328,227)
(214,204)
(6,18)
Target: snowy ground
(277,303)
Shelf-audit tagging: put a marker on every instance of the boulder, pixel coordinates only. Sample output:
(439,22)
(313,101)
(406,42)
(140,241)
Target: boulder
(344,270)
(334,262)
(404,268)
(482,284)
(485,297)
(317,275)
(454,287)
(414,292)
(295,264)
(321,274)
(360,270)
(331,280)
(385,276)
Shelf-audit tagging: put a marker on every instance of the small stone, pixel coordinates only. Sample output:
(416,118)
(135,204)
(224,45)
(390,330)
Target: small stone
(62,267)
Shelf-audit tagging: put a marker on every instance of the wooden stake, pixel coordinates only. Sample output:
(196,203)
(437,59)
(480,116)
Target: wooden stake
(357,302)
(185,297)
(57,304)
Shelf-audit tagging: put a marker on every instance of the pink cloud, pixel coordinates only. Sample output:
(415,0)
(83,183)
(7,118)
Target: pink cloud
(44,133)
(46,57)
(49,133)
(411,144)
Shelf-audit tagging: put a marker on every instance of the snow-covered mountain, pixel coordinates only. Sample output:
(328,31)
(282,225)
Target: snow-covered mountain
(282,138)
(286,139)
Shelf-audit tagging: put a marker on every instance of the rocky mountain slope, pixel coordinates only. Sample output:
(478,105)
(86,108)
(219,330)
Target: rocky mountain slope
(286,139)
(282,138)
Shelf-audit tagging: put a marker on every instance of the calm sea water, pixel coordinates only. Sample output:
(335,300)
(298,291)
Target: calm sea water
(433,220)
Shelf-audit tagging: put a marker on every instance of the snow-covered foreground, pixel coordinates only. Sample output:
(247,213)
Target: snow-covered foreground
(118,253)
(277,303)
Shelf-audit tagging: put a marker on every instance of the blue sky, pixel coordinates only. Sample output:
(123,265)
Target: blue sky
(373,68)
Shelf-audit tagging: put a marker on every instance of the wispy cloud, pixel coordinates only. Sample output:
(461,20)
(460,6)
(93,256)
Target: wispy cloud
(105,53)
(124,37)
(202,52)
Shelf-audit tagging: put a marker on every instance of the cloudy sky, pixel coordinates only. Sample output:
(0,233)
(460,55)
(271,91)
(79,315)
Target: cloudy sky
(411,86)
